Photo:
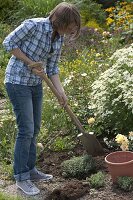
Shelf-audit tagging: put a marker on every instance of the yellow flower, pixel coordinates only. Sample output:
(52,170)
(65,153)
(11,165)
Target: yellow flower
(109,20)
(110,9)
(91,120)
(121,138)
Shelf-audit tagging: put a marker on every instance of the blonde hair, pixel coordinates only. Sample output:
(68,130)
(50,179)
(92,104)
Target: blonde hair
(65,14)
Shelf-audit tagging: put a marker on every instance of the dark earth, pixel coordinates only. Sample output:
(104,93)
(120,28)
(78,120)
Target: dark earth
(73,189)
(68,189)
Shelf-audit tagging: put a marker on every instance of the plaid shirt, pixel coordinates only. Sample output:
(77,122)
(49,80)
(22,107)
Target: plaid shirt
(33,37)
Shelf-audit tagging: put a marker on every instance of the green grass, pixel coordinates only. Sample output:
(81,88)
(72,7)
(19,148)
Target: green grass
(5,197)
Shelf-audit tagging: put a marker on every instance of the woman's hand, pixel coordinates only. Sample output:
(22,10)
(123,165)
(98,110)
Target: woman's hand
(63,99)
(37,68)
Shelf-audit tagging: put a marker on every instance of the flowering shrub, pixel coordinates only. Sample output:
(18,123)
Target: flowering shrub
(111,95)
(120,17)
(120,21)
(93,24)
(80,74)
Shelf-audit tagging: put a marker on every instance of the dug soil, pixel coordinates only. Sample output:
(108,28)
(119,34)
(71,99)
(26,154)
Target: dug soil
(73,189)
(70,189)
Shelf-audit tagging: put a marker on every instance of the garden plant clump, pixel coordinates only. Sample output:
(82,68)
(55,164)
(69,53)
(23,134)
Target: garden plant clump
(78,167)
(125,183)
(112,93)
(97,180)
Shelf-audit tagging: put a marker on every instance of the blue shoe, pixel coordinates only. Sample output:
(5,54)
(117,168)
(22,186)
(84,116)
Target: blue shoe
(36,175)
(27,187)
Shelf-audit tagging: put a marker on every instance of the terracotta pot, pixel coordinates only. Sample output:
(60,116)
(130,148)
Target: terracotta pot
(120,163)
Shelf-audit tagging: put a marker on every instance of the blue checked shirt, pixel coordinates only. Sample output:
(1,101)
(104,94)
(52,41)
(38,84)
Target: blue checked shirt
(33,37)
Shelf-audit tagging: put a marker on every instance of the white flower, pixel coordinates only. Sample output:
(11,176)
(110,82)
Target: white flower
(40,145)
(84,74)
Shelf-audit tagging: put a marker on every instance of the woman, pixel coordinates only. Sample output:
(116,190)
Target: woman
(35,45)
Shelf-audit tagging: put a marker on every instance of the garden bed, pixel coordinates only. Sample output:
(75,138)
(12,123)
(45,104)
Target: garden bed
(71,189)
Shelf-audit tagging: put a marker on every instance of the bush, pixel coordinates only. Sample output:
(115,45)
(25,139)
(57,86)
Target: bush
(120,20)
(4,30)
(112,94)
(63,143)
(80,74)
(125,183)
(90,10)
(97,180)
(120,16)
(7,136)
(78,167)
(7,8)
(33,8)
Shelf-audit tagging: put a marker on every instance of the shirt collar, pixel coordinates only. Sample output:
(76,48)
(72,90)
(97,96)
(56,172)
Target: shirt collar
(48,26)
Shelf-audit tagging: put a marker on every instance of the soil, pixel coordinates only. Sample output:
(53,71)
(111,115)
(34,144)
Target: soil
(72,189)
(69,189)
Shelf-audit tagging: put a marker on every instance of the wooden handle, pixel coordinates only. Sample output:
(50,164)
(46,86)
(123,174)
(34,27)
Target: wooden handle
(67,108)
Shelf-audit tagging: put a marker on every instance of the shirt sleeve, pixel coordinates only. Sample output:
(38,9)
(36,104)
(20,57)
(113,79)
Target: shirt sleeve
(13,40)
(52,64)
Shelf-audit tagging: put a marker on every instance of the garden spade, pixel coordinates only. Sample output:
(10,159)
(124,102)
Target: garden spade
(89,141)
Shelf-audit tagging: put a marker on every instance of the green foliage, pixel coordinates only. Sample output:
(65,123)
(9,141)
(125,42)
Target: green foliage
(80,74)
(78,167)
(4,30)
(56,120)
(7,136)
(6,171)
(112,94)
(33,8)
(97,180)
(93,24)
(5,197)
(7,8)
(63,143)
(90,10)
(125,183)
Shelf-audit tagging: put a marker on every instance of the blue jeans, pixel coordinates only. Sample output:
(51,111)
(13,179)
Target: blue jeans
(27,106)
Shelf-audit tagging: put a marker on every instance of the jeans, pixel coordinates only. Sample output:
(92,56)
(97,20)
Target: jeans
(27,106)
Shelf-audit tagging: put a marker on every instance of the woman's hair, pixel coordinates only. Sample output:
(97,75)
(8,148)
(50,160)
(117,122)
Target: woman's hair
(63,15)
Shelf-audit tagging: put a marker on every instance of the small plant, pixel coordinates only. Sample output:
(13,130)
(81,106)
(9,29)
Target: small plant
(97,180)
(61,144)
(78,167)
(125,183)
(6,171)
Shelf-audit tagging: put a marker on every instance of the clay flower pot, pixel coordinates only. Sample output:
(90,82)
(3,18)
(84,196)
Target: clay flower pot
(120,163)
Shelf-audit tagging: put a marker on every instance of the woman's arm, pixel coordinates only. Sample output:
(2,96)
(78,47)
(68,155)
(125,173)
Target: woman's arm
(57,84)
(36,67)
(20,55)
